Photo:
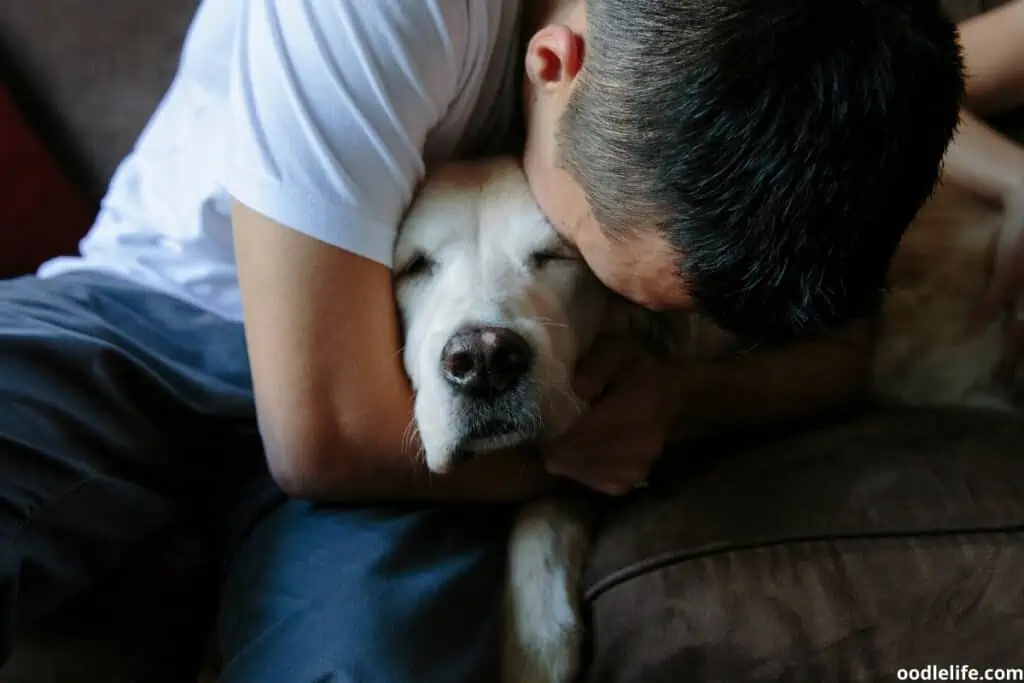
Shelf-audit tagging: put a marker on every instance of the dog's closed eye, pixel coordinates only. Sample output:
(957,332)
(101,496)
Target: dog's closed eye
(541,259)
(559,253)
(556,251)
(418,265)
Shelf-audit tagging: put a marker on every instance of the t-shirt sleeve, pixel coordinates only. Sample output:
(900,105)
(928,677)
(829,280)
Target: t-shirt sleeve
(331,102)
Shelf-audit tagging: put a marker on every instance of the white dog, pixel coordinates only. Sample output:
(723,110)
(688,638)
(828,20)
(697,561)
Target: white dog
(497,308)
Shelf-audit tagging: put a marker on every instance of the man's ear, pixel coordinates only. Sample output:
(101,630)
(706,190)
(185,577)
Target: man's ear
(554,57)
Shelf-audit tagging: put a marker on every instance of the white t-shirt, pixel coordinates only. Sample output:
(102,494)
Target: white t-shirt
(320,114)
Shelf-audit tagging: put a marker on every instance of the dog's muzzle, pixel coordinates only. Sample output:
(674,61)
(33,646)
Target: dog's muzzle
(488,369)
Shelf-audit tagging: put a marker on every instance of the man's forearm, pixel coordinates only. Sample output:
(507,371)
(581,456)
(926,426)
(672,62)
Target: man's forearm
(510,477)
(753,390)
(386,465)
(994,58)
(771,386)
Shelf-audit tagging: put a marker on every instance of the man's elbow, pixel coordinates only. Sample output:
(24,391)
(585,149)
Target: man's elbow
(308,465)
(299,478)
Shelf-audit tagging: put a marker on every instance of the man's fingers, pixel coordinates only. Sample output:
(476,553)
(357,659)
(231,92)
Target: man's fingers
(1007,276)
(610,485)
(622,482)
(613,469)
(613,488)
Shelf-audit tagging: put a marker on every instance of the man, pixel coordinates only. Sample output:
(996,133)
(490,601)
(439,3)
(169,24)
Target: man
(757,160)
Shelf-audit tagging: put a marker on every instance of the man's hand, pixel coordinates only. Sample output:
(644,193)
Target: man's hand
(991,165)
(632,398)
(1005,295)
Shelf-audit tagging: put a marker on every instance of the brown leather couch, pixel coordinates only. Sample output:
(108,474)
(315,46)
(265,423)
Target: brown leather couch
(877,541)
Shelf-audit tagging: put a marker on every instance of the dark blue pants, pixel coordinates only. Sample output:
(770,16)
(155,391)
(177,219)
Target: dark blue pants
(122,409)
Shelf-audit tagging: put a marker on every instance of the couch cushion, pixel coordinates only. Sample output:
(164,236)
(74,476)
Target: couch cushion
(41,213)
(892,541)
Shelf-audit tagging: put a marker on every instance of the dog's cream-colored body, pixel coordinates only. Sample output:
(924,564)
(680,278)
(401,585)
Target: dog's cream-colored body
(475,252)
(926,352)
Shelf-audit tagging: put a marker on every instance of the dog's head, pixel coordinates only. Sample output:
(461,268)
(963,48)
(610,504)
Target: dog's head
(496,309)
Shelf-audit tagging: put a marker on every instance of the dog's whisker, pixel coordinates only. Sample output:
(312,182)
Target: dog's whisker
(411,434)
(548,322)
(562,384)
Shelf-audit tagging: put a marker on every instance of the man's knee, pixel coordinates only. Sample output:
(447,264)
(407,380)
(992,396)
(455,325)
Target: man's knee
(378,594)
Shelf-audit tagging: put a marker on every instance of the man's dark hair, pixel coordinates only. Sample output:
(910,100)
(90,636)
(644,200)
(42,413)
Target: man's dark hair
(783,146)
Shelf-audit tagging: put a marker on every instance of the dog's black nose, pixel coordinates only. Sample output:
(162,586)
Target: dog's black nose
(485,361)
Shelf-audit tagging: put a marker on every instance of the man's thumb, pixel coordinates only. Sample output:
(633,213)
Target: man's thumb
(598,367)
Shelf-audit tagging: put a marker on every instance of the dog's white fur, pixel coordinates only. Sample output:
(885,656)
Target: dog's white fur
(515,274)
(473,237)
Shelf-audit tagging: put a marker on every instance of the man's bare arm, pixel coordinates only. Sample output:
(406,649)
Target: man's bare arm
(334,403)
(994,58)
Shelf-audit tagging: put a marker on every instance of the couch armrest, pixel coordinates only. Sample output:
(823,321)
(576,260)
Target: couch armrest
(891,541)
(41,212)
